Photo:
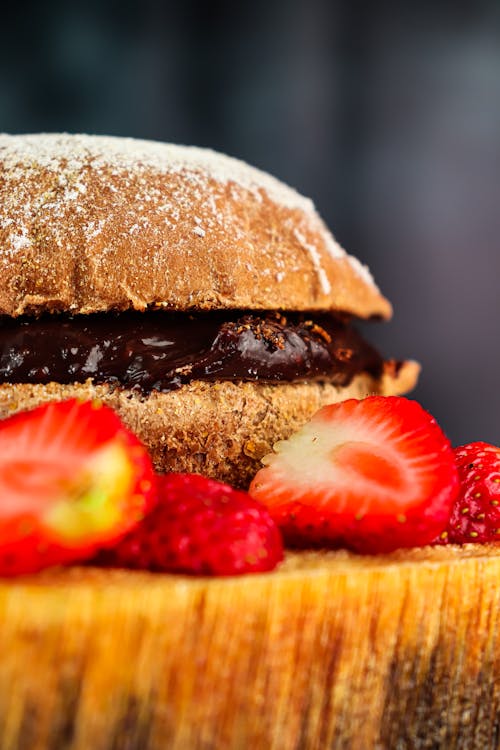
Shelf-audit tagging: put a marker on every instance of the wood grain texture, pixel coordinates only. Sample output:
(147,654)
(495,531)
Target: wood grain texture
(331,651)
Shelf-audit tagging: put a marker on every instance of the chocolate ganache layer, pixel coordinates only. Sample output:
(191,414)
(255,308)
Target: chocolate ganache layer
(161,350)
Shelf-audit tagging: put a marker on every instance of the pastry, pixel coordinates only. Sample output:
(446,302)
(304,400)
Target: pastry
(202,299)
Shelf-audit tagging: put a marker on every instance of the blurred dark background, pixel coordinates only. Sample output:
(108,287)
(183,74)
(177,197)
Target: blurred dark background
(386,114)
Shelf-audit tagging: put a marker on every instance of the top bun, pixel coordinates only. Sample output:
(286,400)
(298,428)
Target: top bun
(94,223)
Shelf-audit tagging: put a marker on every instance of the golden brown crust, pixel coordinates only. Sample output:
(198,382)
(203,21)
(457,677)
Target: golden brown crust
(90,223)
(222,429)
(329,651)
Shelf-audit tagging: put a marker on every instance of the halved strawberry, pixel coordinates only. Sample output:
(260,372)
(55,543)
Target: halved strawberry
(372,475)
(72,479)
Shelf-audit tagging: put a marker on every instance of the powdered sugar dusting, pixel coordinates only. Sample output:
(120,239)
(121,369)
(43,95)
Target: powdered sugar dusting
(336,251)
(19,242)
(361,270)
(98,222)
(316,259)
(333,247)
(50,151)
(69,156)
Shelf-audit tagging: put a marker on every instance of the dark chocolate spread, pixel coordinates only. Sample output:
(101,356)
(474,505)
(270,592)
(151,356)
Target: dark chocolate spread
(162,351)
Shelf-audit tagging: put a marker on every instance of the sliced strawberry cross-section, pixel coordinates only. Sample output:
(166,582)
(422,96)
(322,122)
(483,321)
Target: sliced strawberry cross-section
(372,475)
(72,479)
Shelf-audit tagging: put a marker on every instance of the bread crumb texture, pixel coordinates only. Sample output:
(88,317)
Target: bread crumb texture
(92,223)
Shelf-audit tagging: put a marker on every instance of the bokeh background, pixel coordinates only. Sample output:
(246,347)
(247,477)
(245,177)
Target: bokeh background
(386,114)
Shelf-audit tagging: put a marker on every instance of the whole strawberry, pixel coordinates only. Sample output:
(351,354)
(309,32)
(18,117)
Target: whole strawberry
(475,515)
(202,527)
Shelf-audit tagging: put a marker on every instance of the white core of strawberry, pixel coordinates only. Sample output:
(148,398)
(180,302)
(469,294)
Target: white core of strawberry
(377,458)
(92,501)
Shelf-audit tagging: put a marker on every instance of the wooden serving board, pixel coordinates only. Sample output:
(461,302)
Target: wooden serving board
(331,651)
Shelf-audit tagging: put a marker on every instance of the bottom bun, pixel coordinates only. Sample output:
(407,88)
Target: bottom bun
(329,651)
(221,429)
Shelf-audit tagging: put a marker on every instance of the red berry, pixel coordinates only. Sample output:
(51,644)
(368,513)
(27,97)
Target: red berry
(201,526)
(372,475)
(72,479)
(475,516)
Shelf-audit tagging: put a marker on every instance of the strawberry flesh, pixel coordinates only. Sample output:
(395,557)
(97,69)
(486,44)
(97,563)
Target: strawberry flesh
(72,480)
(371,475)
(200,527)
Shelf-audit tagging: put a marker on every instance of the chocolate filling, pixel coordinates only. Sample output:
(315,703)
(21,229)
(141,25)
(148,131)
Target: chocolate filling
(163,350)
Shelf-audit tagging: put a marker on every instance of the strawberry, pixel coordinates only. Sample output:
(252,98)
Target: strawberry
(200,526)
(475,516)
(372,475)
(72,479)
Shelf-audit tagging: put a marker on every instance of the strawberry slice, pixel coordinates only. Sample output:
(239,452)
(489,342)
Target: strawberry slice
(72,479)
(372,475)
